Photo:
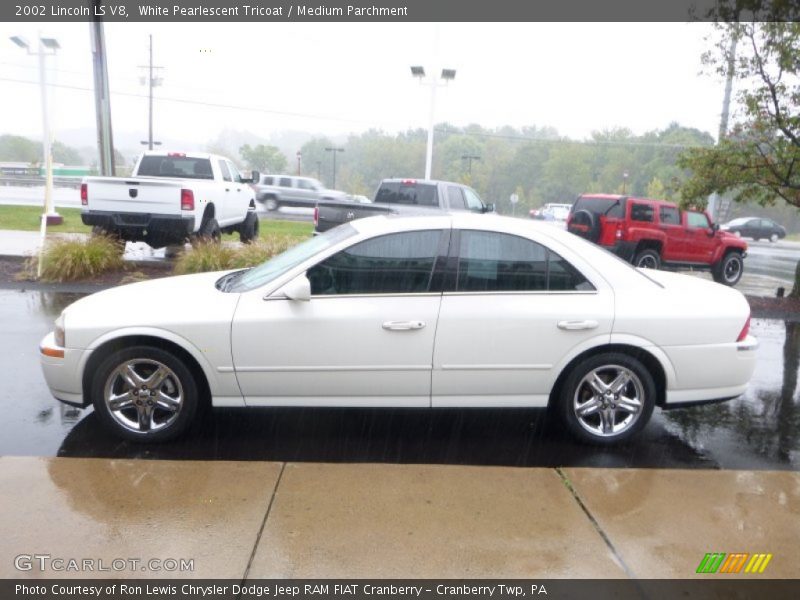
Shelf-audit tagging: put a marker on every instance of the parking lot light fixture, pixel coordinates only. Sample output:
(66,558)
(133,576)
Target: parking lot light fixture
(446,76)
(45,47)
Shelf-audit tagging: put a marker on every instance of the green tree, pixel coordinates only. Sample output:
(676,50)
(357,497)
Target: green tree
(267,159)
(759,159)
(15,148)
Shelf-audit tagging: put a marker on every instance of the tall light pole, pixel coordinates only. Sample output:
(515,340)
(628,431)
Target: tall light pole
(335,152)
(434,82)
(299,158)
(102,99)
(45,47)
(152,81)
(714,201)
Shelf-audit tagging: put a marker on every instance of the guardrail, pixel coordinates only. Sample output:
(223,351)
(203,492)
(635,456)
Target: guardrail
(34,181)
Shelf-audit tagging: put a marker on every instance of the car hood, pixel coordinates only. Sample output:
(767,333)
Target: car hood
(171,303)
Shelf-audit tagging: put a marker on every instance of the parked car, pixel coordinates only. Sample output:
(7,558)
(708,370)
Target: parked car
(551,211)
(654,234)
(402,196)
(275,191)
(454,310)
(170,198)
(756,228)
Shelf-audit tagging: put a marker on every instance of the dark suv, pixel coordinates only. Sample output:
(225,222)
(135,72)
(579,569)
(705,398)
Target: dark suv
(654,233)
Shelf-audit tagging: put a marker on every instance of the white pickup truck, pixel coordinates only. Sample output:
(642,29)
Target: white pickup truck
(172,197)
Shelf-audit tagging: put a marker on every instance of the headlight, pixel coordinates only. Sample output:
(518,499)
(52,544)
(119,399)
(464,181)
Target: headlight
(59,331)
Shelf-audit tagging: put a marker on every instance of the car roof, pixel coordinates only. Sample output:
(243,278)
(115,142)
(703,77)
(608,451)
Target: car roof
(621,197)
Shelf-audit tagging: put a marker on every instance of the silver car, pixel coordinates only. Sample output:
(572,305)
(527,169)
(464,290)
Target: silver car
(275,191)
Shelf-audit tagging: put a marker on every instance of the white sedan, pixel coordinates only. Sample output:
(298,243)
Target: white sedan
(435,311)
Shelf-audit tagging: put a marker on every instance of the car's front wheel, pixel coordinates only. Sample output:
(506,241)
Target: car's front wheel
(607,398)
(774,238)
(144,394)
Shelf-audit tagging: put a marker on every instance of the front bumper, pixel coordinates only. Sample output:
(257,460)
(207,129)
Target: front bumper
(62,373)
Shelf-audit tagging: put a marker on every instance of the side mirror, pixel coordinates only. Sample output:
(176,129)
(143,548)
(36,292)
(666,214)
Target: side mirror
(255,176)
(298,289)
(489,208)
(714,229)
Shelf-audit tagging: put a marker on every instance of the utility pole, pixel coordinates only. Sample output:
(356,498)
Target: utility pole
(152,82)
(102,99)
(299,158)
(713,201)
(335,151)
(469,158)
(319,170)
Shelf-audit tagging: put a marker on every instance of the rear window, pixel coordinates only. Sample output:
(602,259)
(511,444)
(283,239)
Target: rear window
(175,166)
(610,207)
(396,192)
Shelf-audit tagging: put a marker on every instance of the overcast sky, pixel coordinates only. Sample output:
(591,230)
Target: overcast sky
(337,78)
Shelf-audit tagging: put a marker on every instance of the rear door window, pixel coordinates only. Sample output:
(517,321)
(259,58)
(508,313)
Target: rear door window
(669,215)
(285,182)
(455,199)
(499,262)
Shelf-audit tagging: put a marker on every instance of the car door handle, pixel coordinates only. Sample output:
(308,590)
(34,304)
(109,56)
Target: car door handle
(403,325)
(577,325)
(227,190)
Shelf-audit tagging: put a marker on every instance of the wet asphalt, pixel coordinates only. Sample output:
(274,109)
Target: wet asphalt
(758,431)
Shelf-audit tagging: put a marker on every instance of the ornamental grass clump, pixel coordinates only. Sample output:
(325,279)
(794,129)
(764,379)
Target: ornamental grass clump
(75,259)
(205,257)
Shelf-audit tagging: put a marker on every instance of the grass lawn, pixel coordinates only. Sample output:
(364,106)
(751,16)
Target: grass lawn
(26,218)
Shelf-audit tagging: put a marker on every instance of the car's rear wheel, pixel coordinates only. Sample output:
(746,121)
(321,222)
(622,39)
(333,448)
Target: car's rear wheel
(729,270)
(648,259)
(607,398)
(144,394)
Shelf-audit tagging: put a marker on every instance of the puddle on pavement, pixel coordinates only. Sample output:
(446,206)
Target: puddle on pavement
(760,430)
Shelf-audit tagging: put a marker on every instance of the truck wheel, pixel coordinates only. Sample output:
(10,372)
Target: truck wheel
(248,230)
(209,232)
(647,259)
(271,203)
(729,270)
(773,238)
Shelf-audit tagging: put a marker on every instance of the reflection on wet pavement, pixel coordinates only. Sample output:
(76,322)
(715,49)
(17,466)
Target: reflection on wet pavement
(760,430)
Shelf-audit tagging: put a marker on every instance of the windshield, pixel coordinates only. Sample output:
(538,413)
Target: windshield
(244,281)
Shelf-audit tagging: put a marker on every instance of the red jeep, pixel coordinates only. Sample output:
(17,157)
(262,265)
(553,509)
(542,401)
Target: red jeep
(654,233)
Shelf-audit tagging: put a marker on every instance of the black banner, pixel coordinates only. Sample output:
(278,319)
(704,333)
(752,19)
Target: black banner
(400,589)
(358,10)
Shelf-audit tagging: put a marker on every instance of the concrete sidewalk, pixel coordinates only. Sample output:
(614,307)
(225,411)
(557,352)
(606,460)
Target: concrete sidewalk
(257,519)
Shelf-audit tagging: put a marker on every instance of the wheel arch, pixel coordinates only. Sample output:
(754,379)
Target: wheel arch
(649,244)
(661,374)
(209,212)
(200,371)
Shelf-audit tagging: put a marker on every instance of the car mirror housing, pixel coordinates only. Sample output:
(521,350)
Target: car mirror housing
(489,208)
(298,289)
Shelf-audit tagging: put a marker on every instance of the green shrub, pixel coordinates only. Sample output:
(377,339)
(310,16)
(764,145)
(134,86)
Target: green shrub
(73,259)
(204,257)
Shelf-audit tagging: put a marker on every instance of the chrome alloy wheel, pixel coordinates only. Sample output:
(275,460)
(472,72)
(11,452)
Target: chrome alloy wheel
(143,395)
(648,261)
(608,400)
(732,269)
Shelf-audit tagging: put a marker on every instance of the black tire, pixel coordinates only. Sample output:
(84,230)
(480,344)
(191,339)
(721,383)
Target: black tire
(575,388)
(649,258)
(248,230)
(774,238)
(584,224)
(162,424)
(729,270)
(209,231)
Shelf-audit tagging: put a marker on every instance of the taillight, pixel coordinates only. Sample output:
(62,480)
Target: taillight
(84,194)
(187,200)
(620,233)
(745,330)
(316,216)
